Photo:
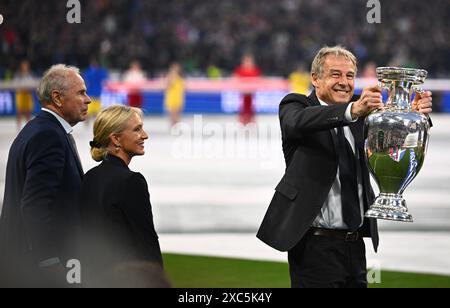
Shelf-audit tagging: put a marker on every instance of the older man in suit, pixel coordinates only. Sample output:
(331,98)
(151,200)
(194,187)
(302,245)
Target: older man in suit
(317,211)
(40,214)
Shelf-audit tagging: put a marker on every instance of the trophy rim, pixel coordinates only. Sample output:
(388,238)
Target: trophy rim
(388,74)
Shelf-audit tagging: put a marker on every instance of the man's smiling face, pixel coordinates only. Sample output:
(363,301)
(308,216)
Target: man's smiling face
(336,84)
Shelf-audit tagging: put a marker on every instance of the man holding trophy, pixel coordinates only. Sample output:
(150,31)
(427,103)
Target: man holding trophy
(317,212)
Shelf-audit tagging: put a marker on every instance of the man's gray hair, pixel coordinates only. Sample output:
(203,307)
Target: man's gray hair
(319,60)
(55,78)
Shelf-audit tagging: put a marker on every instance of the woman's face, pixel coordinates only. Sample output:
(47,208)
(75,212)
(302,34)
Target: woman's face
(133,137)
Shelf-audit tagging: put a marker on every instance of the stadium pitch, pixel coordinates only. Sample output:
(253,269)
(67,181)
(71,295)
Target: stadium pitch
(206,272)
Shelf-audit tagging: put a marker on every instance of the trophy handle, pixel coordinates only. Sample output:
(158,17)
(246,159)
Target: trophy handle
(385,86)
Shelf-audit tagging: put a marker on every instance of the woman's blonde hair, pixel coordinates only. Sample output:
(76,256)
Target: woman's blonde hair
(112,120)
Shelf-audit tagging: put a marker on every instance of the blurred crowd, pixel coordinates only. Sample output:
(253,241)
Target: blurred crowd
(210,36)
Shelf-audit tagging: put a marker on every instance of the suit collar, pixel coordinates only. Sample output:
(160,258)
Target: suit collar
(67,127)
(114,160)
(357,129)
(313,99)
(49,117)
(316,99)
(75,154)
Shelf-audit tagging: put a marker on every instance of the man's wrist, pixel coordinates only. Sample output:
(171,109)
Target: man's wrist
(349,115)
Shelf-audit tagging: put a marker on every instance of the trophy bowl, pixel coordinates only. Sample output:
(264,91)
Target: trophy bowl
(396,141)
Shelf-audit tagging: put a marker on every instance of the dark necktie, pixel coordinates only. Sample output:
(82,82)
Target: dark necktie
(74,147)
(351,211)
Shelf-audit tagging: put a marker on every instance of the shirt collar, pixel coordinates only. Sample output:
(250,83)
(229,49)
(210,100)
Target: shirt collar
(322,102)
(63,122)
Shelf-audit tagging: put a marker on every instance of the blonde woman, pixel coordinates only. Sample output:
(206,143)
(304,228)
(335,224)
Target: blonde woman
(115,206)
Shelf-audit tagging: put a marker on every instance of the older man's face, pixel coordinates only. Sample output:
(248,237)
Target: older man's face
(337,83)
(75,100)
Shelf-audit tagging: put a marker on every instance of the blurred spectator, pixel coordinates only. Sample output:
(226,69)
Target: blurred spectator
(370,71)
(300,80)
(94,76)
(174,95)
(196,31)
(134,76)
(213,72)
(23,79)
(247,69)
(8,74)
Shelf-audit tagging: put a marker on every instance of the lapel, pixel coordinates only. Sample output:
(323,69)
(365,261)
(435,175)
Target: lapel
(315,102)
(75,156)
(50,117)
(357,129)
(313,99)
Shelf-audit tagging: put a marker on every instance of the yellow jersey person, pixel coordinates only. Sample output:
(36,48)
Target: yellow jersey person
(299,80)
(24,95)
(174,95)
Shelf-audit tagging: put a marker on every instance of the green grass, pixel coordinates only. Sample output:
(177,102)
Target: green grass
(209,272)
(411,280)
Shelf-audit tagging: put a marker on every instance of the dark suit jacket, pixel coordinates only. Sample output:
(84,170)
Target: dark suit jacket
(40,213)
(311,159)
(117,220)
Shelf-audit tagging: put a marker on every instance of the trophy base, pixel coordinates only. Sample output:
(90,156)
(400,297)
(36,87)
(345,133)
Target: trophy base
(389,207)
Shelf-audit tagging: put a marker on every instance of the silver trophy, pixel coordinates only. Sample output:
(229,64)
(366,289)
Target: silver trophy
(396,142)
